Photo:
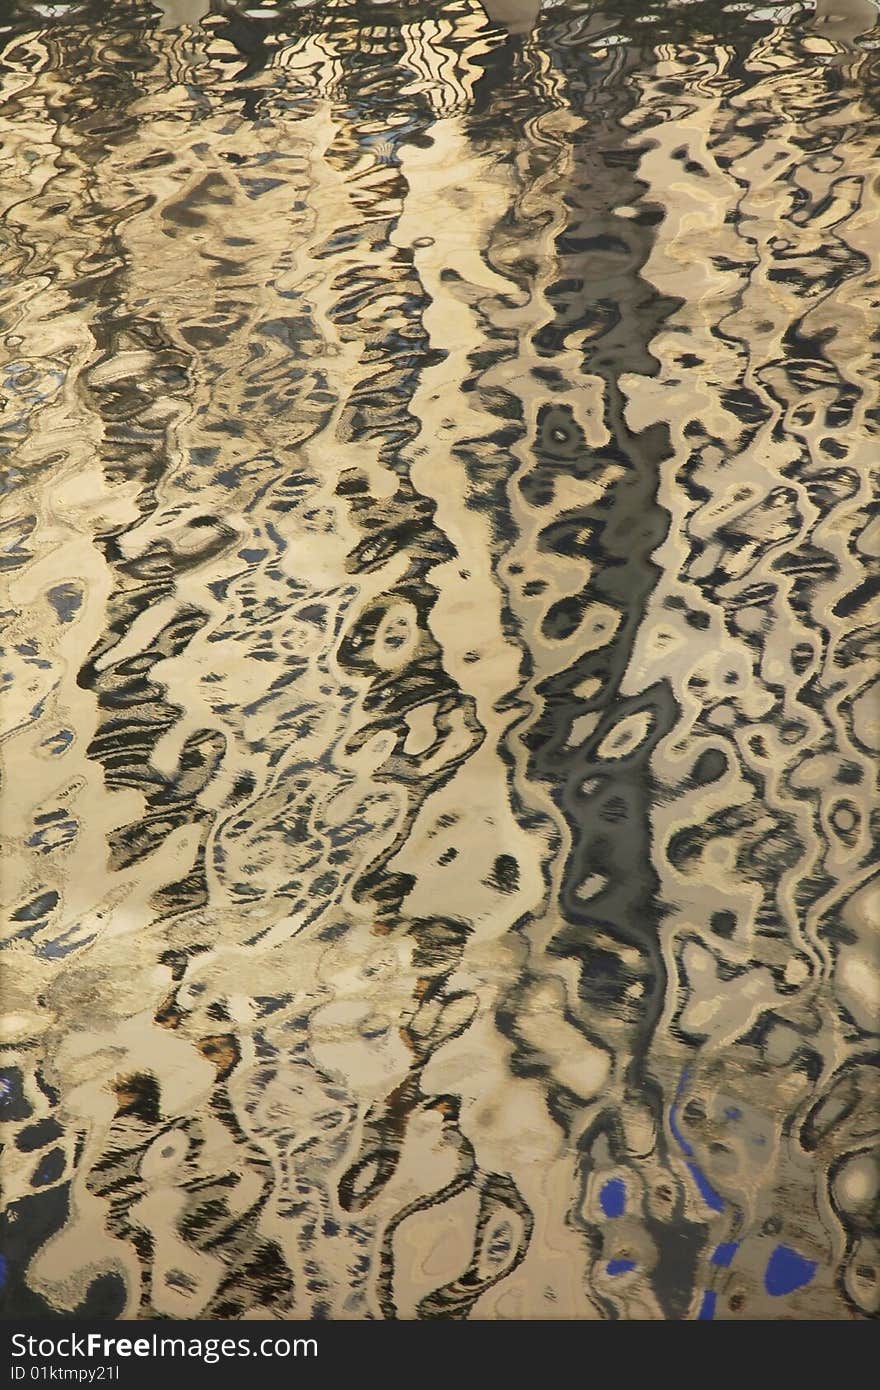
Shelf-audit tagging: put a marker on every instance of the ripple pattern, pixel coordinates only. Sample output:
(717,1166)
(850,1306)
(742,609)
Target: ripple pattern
(441,710)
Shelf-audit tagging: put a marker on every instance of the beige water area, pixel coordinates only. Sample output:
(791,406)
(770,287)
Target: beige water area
(441,705)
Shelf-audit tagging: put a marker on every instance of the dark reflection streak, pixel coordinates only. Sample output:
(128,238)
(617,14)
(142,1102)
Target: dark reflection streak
(605,801)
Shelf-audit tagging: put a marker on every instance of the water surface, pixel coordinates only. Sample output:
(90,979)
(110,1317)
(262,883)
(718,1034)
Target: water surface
(441,708)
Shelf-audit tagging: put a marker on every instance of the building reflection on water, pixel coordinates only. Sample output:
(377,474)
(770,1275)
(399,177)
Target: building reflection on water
(441,701)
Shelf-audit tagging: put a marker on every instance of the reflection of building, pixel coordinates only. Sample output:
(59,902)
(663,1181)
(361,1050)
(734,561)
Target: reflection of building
(417,804)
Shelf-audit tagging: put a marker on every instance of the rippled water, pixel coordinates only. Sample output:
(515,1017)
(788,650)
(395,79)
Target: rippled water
(441,707)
